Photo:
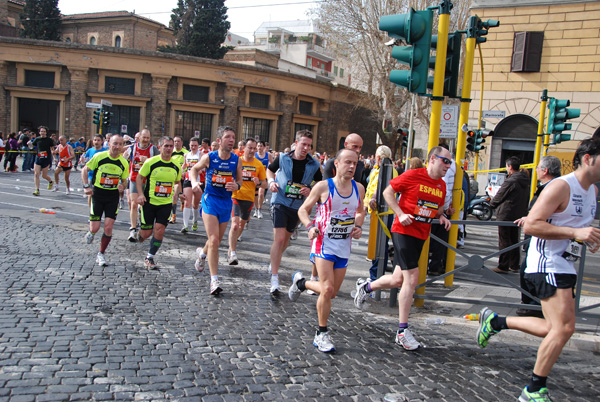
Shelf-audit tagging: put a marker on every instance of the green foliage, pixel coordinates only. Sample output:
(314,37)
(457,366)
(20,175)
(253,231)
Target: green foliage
(200,27)
(41,20)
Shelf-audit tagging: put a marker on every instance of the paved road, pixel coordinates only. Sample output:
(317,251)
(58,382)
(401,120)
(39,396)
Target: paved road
(70,330)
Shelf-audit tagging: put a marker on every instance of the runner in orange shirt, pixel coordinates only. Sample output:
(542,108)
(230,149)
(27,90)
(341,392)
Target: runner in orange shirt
(66,156)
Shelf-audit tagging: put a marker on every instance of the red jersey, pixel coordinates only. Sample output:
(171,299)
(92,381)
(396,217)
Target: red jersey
(135,159)
(421,196)
(203,172)
(64,153)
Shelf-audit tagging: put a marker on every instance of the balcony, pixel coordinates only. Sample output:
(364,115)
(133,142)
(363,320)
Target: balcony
(319,52)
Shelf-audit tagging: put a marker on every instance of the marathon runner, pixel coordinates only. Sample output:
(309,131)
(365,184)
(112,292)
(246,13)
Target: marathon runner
(192,195)
(178,157)
(97,142)
(66,156)
(43,158)
(263,155)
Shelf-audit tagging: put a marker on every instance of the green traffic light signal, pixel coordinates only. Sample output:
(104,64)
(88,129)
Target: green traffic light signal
(558,114)
(97,116)
(415,28)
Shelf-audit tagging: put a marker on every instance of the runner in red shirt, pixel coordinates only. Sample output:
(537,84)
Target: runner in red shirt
(422,192)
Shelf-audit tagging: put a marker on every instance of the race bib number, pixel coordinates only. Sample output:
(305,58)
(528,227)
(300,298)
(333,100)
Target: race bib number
(292,190)
(425,211)
(163,189)
(220,178)
(573,251)
(248,174)
(42,154)
(109,181)
(137,165)
(340,228)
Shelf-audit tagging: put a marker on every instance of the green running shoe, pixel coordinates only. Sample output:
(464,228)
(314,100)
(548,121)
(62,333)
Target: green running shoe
(195,226)
(485,331)
(540,396)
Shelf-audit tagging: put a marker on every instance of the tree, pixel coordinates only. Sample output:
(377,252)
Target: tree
(200,27)
(41,20)
(352,28)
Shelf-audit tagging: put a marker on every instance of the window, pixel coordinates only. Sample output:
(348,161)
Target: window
(257,128)
(116,85)
(117,41)
(300,126)
(305,107)
(308,62)
(40,79)
(260,101)
(128,116)
(341,73)
(335,71)
(527,52)
(68,40)
(187,123)
(195,93)
(93,40)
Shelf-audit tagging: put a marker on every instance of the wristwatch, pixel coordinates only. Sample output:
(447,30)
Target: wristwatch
(86,186)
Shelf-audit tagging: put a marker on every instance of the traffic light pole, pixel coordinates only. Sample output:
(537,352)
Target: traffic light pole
(538,143)
(436,118)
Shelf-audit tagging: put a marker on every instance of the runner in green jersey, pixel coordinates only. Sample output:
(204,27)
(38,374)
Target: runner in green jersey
(110,173)
(179,158)
(163,179)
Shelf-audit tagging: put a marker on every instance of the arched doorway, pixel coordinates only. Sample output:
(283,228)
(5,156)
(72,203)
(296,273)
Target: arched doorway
(517,134)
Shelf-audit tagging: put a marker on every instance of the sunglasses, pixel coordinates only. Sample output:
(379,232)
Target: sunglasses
(445,160)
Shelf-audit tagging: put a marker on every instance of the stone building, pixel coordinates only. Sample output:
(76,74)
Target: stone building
(540,44)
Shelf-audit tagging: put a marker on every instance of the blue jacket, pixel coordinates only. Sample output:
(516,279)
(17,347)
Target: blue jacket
(284,175)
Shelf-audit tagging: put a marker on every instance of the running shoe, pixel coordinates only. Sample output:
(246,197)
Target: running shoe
(50,183)
(255,214)
(149,263)
(172,218)
(311,292)
(101,260)
(200,261)
(259,214)
(540,396)
(89,237)
(195,226)
(240,238)
(55,189)
(68,191)
(232,258)
(121,203)
(184,230)
(485,331)
(215,287)
(294,234)
(274,285)
(132,235)
(36,192)
(294,292)
(323,342)
(361,292)
(407,340)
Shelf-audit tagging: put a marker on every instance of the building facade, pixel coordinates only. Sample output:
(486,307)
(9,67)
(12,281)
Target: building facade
(540,44)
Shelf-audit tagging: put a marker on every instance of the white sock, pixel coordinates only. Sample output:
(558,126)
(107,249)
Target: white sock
(186,216)
(202,255)
(196,214)
(214,278)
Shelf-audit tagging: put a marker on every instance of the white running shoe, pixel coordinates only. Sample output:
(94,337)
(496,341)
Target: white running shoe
(361,293)
(55,189)
(407,340)
(240,238)
(294,235)
(89,237)
(294,292)
(274,285)
(232,258)
(200,261)
(215,287)
(259,214)
(255,214)
(101,260)
(68,191)
(323,342)
(132,235)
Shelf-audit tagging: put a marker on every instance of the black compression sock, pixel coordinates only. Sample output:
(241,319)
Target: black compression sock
(537,383)
(302,284)
(321,330)
(498,323)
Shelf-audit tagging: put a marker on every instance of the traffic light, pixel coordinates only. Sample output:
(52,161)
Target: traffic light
(97,116)
(403,134)
(475,139)
(106,118)
(415,28)
(452,63)
(558,114)
(483,28)
(471,140)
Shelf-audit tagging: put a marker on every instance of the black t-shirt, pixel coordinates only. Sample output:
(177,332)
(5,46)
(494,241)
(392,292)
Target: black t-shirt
(44,146)
(329,170)
(298,168)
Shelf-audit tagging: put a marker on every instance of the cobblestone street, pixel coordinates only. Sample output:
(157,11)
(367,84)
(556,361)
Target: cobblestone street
(70,330)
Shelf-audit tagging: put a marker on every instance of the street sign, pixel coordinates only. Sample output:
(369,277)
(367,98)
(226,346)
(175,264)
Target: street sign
(493,114)
(106,103)
(449,122)
(123,128)
(93,105)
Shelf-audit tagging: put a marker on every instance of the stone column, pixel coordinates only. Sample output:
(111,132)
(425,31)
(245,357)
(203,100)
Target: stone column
(327,133)
(285,131)
(232,100)
(4,99)
(159,114)
(80,118)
